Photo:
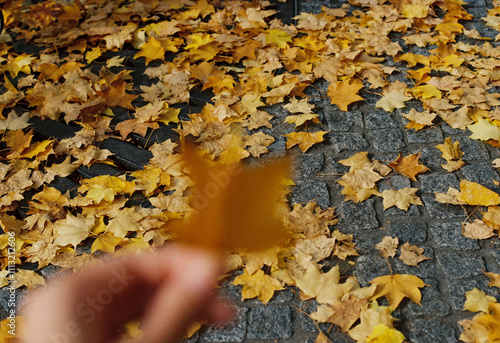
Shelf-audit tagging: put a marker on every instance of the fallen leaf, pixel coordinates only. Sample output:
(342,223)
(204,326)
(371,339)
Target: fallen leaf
(388,246)
(452,154)
(401,198)
(384,334)
(477,230)
(477,301)
(412,255)
(396,287)
(392,100)
(305,140)
(344,93)
(257,285)
(483,130)
(409,166)
(475,194)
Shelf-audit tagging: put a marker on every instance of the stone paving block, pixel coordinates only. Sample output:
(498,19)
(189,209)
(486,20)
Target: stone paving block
(309,165)
(394,181)
(411,231)
(412,211)
(431,158)
(425,269)
(473,150)
(360,216)
(234,332)
(457,267)
(379,119)
(449,235)
(387,140)
(369,267)
(458,289)
(280,297)
(438,182)
(366,240)
(424,136)
(441,211)
(482,174)
(431,331)
(310,190)
(278,147)
(432,304)
(271,322)
(340,121)
(313,6)
(334,167)
(340,141)
(306,323)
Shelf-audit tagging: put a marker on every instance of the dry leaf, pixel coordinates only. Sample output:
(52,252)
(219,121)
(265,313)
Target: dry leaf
(401,198)
(477,230)
(477,301)
(388,246)
(396,287)
(257,285)
(305,140)
(409,166)
(412,255)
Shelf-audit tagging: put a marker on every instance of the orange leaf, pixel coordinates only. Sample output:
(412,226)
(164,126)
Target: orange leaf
(234,207)
(409,165)
(344,93)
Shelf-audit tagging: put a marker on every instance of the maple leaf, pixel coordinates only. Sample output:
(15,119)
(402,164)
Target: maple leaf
(28,278)
(384,334)
(475,194)
(15,122)
(478,230)
(300,119)
(234,207)
(494,279)
(388,246)
(299,106)
(258,143)
(72,230)
(325,287)
(412,255)
(477,301)
(347,312)
(409,166)
(257,285)
(452,154)
(401,198)
(396,287)
(305,140)
(278,37)
(483,130)
(371,317)
(151,50)
(392,100)
(344,93)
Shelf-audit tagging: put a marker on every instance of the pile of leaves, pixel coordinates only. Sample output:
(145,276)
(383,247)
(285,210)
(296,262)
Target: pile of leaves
(247,59)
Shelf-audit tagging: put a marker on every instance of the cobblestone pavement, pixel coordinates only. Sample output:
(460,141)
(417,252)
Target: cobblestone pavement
(455,262)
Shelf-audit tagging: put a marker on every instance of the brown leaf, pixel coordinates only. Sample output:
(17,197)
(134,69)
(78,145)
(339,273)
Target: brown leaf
(409,166)
(412,254)
(388,246)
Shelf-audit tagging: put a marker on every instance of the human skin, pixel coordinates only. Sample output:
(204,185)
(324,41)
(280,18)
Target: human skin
(166,291)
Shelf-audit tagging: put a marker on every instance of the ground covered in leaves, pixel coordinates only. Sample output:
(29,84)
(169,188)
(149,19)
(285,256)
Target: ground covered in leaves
(87,57)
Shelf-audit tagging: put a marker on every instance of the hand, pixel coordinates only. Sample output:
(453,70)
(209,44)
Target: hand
(166,291)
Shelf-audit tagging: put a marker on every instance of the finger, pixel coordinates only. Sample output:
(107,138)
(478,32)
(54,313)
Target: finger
(182,299)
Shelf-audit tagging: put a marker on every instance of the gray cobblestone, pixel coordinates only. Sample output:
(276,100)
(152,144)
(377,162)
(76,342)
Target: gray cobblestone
(411,231)
(310,190)
(394,181)
(432,304)
(481,173)
(369,267)
(449,235)
(457,267)
(441,211)
(431,331)
(438,182)
(309,165)
(342,121)
(459,287)
(378,119)
(272,322)
(386,140)
(473,150)
(425,269)
(425,136)
(347,142)
(357,216)
(234,332)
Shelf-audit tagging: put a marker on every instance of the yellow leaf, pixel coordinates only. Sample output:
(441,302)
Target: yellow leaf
(93,54)
(401,198)
(411,255)
(305,140)
(483,130)
(477,301)
(151,50)
(384,334)
(302,118)
(72,230)
(494,279)
(426,92)
(388,246)
(106,243)
(278,37)
(371,317)
(475,194)
(28,278)
(198,40)
(452,154)
(392,100)
(257,285)
(235,207)
(344,93)
(396,287)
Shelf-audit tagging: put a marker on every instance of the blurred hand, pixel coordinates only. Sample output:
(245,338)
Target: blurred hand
(166,291)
